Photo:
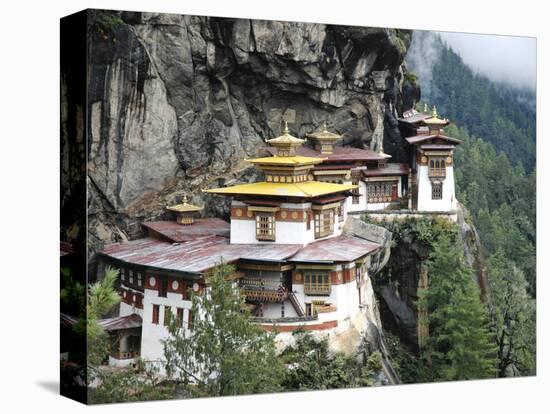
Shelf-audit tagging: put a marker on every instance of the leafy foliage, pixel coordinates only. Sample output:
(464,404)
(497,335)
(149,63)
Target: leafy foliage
(130,385)
(514,317)
(502,200)
(460,344)
(102,298)
(311,366)
(224,353)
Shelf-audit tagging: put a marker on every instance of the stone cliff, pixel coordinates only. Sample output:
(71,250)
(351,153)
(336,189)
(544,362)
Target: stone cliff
(396,286)
(175,103)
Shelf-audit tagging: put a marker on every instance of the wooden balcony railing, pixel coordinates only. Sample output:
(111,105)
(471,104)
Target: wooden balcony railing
(266,295)
(321,289)
(436,172)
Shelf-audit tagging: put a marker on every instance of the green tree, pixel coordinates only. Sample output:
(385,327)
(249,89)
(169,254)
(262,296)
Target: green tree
(102,298)
(223,353)
(311,365)
(514,317)
(460,345)
(106,386)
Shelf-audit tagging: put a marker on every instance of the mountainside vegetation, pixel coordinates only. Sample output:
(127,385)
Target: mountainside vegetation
(495,179)
(501,114)
(460,340)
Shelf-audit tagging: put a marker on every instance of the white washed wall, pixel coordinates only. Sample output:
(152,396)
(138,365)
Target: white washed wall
(425,202)
(151,334)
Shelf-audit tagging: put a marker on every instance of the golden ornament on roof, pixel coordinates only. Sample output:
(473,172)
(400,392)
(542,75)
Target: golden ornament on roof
(184,207)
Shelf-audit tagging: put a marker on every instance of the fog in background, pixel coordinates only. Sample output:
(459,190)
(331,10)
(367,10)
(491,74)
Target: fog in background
(508,59)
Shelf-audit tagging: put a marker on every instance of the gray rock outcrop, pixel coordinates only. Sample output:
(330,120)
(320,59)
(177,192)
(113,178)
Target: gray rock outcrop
(176,103)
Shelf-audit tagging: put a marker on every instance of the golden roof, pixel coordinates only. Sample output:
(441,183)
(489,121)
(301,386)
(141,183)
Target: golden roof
(324,134)
(306,189)
(184,207)
(287,161)
(435,119)
(286,139)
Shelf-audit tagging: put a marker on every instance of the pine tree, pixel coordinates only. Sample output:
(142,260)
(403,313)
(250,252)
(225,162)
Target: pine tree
(460,344)
(223,353)
(514,317)
(102,298)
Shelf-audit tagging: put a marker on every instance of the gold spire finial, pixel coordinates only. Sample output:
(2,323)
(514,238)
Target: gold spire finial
(325,126)
(184,200)
(425,108)
(285,129)
(434,112)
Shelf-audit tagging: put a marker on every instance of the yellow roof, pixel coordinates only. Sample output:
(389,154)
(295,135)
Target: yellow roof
(306,189)
(295,161)
(184,207)
(285,139)
(324,135)
(435,119)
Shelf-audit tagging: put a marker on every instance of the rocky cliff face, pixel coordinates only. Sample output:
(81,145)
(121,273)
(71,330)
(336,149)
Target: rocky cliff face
(177,102)
(397,285)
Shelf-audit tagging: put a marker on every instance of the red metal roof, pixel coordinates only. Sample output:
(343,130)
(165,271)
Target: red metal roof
(65,248)
(392,168)
(340,154)
(334,166)
(122,322)
(420,138)
(335,249)
(194,256)
(177,233)
(68,320)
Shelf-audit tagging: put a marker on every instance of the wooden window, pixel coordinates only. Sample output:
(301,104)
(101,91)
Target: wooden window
(355,192)
(317,283)
(131,278)
(139,279)
(167,315)
(156,310)
(381,192)
(309,309)
(341,213)
(179,317)
(324,223)
(265,226)
(436,167)
(122,273)
(437,191)
(163,286)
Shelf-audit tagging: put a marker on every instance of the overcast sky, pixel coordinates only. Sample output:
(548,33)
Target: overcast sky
(502,58)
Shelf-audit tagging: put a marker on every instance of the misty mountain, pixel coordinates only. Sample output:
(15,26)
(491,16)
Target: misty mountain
(499,113)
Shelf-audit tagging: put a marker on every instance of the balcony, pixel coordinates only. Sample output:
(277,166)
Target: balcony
(436,172)
(265,295)
(263,290)
(318,289)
